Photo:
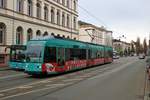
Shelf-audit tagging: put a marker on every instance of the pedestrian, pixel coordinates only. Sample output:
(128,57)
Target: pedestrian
(148,64)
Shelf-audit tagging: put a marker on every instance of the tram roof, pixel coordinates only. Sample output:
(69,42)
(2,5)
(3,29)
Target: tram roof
(68,43)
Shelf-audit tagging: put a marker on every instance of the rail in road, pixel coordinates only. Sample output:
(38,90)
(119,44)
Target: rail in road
(57,82)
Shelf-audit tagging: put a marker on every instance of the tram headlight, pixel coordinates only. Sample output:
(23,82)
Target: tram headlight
(39,67)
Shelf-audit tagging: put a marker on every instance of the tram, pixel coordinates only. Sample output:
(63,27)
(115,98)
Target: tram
(57,55)
(17,57)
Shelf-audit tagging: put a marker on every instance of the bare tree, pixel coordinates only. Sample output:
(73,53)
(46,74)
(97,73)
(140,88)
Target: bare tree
(145,46)
(138,46)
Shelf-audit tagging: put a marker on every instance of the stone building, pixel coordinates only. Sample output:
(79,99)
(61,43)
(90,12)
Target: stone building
(21,20)
(94,34)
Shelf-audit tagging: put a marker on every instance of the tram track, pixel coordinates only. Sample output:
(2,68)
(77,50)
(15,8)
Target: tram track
(54,82)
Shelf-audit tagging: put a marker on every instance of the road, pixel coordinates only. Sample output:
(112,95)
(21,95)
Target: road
(124,79)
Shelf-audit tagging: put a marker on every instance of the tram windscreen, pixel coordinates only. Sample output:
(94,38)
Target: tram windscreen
(34,53)
(17,55)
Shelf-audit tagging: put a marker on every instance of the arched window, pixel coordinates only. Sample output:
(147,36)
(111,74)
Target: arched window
(46,13)
(68,3)
(58,35)
(74,22)
(63,36)
(68,21)
(52,34)
(20,5)
(58,1)
(74,5)
(29,34)
(52,15)
(30,7)
(2,3)
(45,34)
(19,35)
(2,33)
(63,2)
(38,10)
(63,19)
(38,33)
(68,37)
(58,17)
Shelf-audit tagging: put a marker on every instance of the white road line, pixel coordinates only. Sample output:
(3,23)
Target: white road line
(32,83)
(11,76)
(25,87)
(1,95)
(55,85)
(20,94)
(68,80)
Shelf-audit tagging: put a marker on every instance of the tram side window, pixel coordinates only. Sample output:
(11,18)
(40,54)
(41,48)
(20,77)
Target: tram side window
(50,54)
(77,54)
(94,54)
(89,54)
(67,52)
(110,53)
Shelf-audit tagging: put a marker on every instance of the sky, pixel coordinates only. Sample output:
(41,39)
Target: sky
(124,17)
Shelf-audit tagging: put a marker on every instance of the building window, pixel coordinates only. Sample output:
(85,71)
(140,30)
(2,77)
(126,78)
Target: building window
(45,34)
(20,4)
(74,5)
(52,16)
(68,21)
(2,33)
(58,17)
(74,22)
(2,3)
(63,19)
(68,4)
(63,2)
(29,34)
(38,10)
(19,35)
(46,13)
(38,33)
(30,7)
(58,1)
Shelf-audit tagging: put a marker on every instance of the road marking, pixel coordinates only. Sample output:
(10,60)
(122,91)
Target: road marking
(32,83)
(11,76)
(25,87)
(20,94)
(55,85)
(1,95)
(68,80)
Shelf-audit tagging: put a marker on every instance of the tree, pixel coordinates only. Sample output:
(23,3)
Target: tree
(145,46)
(138,46)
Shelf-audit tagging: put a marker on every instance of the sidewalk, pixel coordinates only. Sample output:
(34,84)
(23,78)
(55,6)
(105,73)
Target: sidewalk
(4,67)
(147,88)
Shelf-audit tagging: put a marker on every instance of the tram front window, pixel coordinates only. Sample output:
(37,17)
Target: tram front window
(17,56)
(34,53)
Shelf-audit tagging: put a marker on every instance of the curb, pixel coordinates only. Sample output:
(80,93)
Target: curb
(147,88)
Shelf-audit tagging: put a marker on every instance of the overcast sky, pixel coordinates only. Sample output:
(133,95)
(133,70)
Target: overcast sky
(125,17)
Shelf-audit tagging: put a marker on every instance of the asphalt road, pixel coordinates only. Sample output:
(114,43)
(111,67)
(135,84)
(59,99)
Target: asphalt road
(124,79)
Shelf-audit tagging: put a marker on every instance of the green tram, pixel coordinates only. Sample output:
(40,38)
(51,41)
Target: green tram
(17,57)
(57,55)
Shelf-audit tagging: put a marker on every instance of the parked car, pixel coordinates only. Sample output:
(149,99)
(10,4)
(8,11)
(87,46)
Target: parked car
(141,56)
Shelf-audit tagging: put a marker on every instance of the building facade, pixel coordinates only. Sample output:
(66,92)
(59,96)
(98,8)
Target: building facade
(121,46)
(94,34)
(21,20)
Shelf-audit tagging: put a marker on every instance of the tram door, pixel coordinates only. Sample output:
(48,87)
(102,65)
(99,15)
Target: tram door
(61,56)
